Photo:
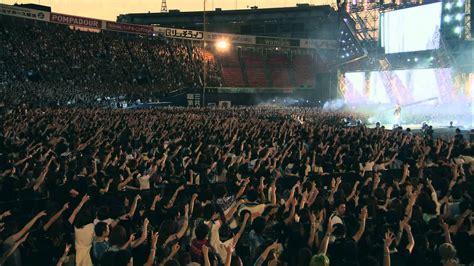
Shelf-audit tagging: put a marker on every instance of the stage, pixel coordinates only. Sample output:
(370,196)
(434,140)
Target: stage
(439,131)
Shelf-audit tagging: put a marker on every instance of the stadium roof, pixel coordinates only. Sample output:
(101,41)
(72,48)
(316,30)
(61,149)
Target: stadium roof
(289,12)
(303,21)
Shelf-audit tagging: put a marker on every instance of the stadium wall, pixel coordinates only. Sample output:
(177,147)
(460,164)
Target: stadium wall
(185,34)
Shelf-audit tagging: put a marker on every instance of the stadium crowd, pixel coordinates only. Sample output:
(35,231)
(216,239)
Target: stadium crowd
(187,186)
(241,186)
(45,64)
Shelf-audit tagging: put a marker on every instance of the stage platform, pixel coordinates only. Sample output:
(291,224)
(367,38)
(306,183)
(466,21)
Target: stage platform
(439,131)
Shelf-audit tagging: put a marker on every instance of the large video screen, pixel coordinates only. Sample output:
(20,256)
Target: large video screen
(440,96)
(411,29)
(415,85)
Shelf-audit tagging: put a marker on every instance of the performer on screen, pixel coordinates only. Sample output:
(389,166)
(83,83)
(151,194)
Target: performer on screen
(397,113)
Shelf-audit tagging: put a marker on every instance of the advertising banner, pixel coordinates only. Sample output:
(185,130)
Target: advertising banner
(23,12)
(183,34)
(163,31)
(77,21)
(278,42)
(132,28)
(232,38)
(318,44)
(199,35)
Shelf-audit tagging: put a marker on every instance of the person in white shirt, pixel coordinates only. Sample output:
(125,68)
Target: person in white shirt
(83,233)
(338,214)
(144,181)
(219,246)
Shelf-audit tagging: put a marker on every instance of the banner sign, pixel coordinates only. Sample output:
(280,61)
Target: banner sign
(132,28)
(23,12)
(278,42)
(166,32)
(232,38)
(77,21)
(318,44)
(184,34)
(199,35)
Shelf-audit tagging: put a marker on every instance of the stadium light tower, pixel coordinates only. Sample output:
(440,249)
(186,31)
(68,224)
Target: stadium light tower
(204,72)
(222,45)
(164,7)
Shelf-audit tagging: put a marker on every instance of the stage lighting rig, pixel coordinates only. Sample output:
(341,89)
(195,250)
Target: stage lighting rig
(349,47)
(453,21)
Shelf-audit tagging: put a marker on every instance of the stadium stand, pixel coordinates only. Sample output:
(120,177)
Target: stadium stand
(255,68)
(40,55)
(278,66)
(231,69)
(303,69)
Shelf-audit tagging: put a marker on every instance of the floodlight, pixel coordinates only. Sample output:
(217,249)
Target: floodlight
(222,45)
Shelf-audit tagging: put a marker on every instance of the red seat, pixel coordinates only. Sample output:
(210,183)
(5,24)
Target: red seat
(255,70)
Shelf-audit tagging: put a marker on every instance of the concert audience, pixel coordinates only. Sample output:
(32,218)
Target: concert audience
(82,185)
(45,64)
(239,186)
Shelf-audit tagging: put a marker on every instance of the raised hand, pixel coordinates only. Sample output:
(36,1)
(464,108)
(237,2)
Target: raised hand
(158,197)
(67,248)
(229,249)
(146,222)
(304,197)
(132,238)
(297,185)
(388,240)
(205,250)
(176,248)
(154,239)
(138,197)
(171,238)
(321,215)
(356,184)
(275,245)
(41,214)
(85,198)
(363,213)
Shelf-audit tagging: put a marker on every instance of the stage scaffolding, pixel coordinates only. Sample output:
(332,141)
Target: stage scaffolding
(366,31)
(468,17)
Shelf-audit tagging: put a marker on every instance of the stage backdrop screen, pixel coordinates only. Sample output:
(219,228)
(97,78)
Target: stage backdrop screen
(411,29)
(416,85)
